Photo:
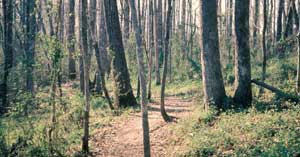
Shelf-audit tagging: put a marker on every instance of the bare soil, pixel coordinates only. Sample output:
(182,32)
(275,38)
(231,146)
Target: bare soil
(123,137)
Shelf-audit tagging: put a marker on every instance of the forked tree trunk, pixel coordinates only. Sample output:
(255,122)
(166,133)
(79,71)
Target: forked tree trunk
(142,79)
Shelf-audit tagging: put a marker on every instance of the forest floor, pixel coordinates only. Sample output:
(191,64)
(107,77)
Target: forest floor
(124,136)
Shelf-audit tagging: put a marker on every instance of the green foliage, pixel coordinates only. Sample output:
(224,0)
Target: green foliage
(250,133)
(22,135)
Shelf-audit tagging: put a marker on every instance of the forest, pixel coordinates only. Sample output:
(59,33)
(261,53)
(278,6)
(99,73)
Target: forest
(87,78)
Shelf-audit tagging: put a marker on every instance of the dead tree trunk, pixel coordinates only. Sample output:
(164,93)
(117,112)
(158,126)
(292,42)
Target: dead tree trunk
(279,92)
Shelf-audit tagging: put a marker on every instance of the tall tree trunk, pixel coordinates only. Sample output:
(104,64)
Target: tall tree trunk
(126,24)
(7,50)
(85,54)
(71,40)
(157,38)
(213,86)
(243,93)
(119,65)
(289,22)
(100,49)
(165,66)
(142,79)
(298,67)
(150,44)
(279,19)
(30,49)
(229,28)
(264,45)
(183,32)
(256,22)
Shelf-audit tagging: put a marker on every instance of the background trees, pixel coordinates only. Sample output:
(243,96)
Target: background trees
(68,65)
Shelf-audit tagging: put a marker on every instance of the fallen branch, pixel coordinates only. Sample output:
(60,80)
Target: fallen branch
(277,91)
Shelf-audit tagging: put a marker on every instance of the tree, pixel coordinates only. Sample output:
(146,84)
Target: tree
(142,79)
(71,40)
(85,54)
(157,38)
(30,34)
(279,19)
(100,49)
(126,24)
(243,93)
(150,45)
(229,28)
(298,67)
(264,45)
(213,86)
(8,51)
(119,66)
(183,32)
(256,17)
(165,63)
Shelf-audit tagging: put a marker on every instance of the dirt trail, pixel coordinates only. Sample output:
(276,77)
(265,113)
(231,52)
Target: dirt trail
(123,138)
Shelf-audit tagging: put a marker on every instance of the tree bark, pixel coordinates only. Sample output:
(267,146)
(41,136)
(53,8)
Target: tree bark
(119,65)
(243,93)
(213,86)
